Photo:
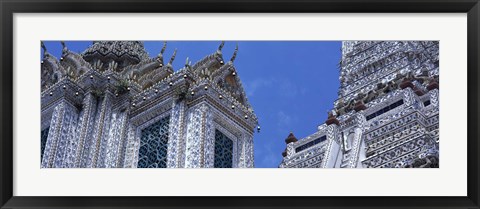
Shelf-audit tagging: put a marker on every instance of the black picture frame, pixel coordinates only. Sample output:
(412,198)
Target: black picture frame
(9,7)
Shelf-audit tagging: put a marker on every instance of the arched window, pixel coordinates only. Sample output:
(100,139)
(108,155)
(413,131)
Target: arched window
(223,151)
(153,145)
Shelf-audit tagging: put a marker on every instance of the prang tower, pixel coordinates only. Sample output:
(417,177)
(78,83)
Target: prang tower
(386,114)
(113,106)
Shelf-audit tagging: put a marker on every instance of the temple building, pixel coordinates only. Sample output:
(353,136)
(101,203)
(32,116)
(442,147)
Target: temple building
(386,114)
(113,106)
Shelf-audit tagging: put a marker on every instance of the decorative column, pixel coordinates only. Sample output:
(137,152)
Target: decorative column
(410,99)
(130,147)
(241,151)
(120,155)
(102,131)
(176,135)
(85,125)
(249,161)
(357,150)
(100,128)
(62,131)
(114,138)
(197,120)
(209,144)
(333,150)
(434,97)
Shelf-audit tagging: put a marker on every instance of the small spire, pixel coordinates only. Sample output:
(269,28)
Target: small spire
(219,50)
(234,54)
(164,47)
(163,50)
(45,52)
(173,57)
(221,46)
(64,47)
(43,47)
(186,62)
(160,56)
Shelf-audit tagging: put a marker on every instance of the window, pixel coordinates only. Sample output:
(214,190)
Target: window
(223,151)
(312,143)
(385,109)
(43,141)
(426,103)
(153,145)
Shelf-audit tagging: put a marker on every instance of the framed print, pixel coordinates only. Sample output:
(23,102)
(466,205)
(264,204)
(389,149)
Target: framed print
(264,104)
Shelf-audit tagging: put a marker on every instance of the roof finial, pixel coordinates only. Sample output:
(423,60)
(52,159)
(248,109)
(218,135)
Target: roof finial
(221,46)
(160,56)
(173,57)
(43,47)
(64,47)
(164,47)
(219,50)
(186,62)
(234,54)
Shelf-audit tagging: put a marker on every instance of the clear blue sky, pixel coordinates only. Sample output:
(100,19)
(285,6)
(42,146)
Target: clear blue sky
(290,84)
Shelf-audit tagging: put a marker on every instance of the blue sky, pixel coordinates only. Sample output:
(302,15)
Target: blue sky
(290,84)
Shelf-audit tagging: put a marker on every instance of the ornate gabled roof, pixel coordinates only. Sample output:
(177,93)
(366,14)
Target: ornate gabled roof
(211,62)
(224,75)
(51,69)
(123,52)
